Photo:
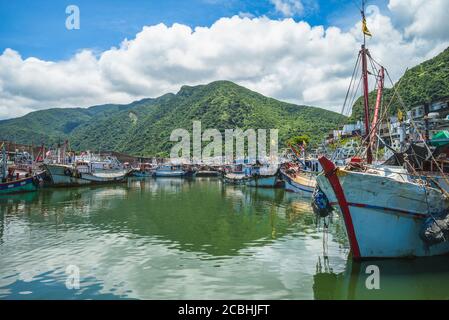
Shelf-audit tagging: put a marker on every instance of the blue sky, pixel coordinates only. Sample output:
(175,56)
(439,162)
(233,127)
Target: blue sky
(37,28)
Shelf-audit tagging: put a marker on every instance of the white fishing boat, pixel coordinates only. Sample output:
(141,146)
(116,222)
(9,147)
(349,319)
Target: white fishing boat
(235,178)
(83,173)
(388,212)
(170,171)
(384,210)
(66,169)
(255,176)
(207,171)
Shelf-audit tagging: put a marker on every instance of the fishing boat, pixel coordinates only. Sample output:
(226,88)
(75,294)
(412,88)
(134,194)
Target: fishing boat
(299,175)
(384,210)
(254,176)
(206,171)
(82,173)
(262,176)
(85,169)
(387,212)
(11,182)
(235,178)
(424,162)
(142,174)
(144,170)
(17,186)
(173,171)
(298,180)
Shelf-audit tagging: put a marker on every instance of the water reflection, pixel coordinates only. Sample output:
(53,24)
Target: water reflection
(180,238)
(151,235)
(422,278)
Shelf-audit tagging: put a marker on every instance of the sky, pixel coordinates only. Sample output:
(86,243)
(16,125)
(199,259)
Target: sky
(300,51)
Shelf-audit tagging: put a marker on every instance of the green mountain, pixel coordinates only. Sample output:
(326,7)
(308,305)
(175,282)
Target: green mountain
(426,82)
(144,127)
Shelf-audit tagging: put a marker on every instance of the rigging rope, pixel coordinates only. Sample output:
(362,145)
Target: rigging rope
(356,67)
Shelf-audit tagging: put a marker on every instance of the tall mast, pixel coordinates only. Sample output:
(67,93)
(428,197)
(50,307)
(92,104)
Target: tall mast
(364,53)
(380,86)
(4,161)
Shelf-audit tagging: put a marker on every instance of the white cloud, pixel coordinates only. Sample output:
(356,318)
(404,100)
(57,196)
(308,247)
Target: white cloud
(288,60)
(422,18)
(288,8)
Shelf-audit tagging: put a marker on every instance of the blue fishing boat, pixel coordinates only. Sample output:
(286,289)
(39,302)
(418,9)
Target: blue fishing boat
(145,170)
(16,186)
(142,174)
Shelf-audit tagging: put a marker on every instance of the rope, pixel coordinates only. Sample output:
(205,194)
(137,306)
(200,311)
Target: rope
(350,84)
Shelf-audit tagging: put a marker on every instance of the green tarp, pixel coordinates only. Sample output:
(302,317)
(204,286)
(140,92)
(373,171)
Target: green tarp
(440,138)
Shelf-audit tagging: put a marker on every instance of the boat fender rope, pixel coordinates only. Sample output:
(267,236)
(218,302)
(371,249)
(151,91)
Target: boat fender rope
(320,204)
(435,229)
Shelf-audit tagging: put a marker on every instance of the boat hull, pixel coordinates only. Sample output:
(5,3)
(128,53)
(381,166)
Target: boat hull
(18,186)
(383,216)
(262,181)
(60,177)
(235,178)
(252,181)
(383,233)
(205,173)
(139,174)
(305,188)
(169,174)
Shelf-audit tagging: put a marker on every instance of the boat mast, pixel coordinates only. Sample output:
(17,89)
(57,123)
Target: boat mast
(364,53)
(4,161)
(380,85)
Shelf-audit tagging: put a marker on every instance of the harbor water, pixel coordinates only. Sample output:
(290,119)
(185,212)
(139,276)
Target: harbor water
(172,238)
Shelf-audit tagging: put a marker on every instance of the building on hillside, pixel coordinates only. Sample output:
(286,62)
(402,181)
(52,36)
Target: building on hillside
(353,129)
(348,131)
(422,122)
(425,120)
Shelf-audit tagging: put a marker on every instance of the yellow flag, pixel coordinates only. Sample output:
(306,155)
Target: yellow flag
(365,28)
(400,116)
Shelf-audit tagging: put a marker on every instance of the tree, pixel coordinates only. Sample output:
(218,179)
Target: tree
(301,140)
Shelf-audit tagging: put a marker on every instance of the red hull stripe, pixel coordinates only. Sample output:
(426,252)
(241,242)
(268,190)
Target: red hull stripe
(399,211)
(330,169)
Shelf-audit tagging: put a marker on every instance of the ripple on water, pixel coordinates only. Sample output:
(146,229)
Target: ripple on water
(161,239)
